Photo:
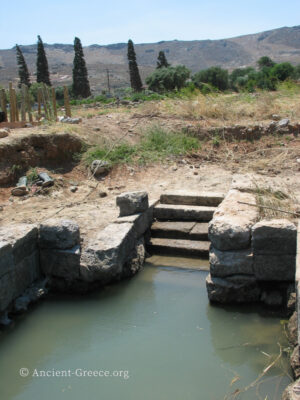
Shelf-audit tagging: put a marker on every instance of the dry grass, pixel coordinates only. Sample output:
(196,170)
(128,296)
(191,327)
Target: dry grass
(234,108)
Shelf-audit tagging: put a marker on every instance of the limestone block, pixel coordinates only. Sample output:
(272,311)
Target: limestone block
(142,222)
(277,236)
(236,289)
(23,239)
(280,267)
(26,272)
(239,289)
(132,203)
(6,258)
(225,263)
(61,263)
(7,290)
(59,234)
(135,260)
(292,392)
(230,228)
(103,257)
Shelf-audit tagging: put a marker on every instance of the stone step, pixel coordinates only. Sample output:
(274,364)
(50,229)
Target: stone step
(183,213)
(180,230)
(174,247)
(208,199)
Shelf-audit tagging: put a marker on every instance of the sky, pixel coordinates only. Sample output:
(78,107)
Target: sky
(115,21)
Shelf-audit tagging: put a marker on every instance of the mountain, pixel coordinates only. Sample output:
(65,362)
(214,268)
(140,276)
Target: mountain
(281,44)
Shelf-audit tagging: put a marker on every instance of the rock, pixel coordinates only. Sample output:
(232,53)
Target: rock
(69,120)
(99,167)
(279,267)
(278,236)
(295,362)
(132,203)
(4,320)
(59,234)
(272,298)
(73,189)
(275,117)
(238,289)
(230,228)
(136,260)
(31,295)
(292,392)
(292,329)
(283,123)
(225,263)
(28,125)
(102,194)
(141,222)
(3,133)
(291,304)
(61,263)
(104,256)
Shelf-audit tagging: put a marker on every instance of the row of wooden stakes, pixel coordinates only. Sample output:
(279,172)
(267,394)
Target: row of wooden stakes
(22,110)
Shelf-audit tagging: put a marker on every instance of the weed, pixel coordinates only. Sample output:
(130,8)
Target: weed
(32,174)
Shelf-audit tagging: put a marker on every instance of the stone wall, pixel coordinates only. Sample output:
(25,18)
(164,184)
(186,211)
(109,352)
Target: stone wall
(19,262)
(250,260)
(55,251)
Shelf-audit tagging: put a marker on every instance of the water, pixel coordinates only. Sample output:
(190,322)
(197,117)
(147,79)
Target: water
(159,327)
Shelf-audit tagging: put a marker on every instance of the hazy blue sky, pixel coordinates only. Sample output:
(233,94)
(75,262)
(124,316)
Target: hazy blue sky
(113,21)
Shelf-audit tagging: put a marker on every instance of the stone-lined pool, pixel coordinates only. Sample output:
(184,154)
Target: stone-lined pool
(158,329)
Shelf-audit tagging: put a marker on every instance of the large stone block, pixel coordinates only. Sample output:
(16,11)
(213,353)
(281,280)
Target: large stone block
(280,267)
(6,258)
(7,290)
(132,203)
(225,263)
(26,272)
(59,234)
(142,222)
(135,260)
(230,228)
(61,263)
(277,236)
(236,289)
(103,258)
(23,239)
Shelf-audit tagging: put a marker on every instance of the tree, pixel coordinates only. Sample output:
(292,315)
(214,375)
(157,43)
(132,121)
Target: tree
(166,79)
(265,62)
(162,60)
(23,70)
(81,86)
(214,76)
(282,71)
(42,71)
(135,79)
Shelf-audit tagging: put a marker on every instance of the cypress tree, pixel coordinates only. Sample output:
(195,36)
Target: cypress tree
(81,86)
(162,60)
(42,71)
(135,79)
(23,70)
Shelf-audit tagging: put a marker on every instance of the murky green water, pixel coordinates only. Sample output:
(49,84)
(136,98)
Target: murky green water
(159,327)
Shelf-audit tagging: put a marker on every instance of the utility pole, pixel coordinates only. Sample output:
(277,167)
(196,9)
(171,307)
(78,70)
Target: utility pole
(108,83)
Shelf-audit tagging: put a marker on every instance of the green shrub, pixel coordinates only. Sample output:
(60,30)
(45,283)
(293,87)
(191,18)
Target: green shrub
(215,76)
(167,79)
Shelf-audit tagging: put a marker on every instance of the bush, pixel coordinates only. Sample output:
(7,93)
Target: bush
(167,79)
(282,71)
(215,76)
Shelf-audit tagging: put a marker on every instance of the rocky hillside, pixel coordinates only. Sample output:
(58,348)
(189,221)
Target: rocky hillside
(281,44)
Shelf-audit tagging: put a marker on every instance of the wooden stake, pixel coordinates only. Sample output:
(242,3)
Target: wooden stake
(16,106)
(67,102)
(23,103)
(28,103)
(11,104)
(54,103)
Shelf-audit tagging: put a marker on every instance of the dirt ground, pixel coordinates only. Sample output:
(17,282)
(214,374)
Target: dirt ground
(210,169)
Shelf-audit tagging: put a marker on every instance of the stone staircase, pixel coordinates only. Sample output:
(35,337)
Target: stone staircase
(180,224)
